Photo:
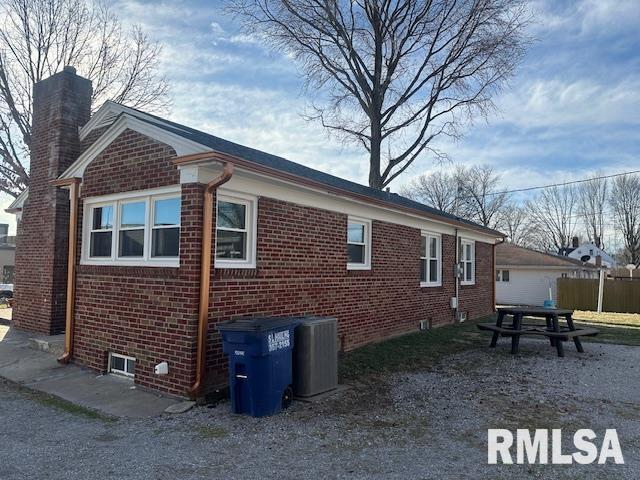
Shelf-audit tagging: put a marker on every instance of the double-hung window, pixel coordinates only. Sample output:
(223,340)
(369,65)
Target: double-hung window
(141,228)
(358,244)
(101,236)
(131,229)
(236,231)
(467,255)
(165,230)
(431,260)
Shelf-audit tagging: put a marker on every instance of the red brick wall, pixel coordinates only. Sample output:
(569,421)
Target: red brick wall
(61,104)
(149,313)
(301,258)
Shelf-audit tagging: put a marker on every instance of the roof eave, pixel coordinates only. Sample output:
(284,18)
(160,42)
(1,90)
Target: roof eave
(224,157)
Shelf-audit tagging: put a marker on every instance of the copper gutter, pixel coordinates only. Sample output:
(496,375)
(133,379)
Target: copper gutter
(73,184)
(205,274)
(255,167)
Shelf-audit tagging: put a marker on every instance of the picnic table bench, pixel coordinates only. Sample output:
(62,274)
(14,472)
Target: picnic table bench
(553,330)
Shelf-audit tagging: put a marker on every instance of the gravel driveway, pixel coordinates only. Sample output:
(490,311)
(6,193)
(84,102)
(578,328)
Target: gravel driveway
(421,425)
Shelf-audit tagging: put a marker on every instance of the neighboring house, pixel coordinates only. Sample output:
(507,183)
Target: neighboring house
(152,281)
(7,255)
(588,253)
(524,276)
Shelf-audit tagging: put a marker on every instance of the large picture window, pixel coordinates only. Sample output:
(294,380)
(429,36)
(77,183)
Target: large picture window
(467,257)
(430,260)
(141,228)
(358,244)
(235,231)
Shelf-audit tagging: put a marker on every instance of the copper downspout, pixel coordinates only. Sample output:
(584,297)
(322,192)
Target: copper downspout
(73,184)
(205,274)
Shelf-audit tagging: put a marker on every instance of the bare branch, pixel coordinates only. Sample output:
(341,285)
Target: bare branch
(38,38)
(407,71)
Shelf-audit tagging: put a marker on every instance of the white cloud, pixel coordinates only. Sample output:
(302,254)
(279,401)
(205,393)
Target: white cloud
(553,102)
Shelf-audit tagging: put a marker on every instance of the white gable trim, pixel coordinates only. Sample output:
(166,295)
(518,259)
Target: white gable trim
(108,113)
(181,145)
(19,200)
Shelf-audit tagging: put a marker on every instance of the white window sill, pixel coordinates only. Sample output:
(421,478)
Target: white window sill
(232,265)
(429,284)
(170,263)
(358,266)
(467,283)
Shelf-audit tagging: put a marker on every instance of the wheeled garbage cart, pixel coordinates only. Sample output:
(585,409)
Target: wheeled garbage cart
(260,355)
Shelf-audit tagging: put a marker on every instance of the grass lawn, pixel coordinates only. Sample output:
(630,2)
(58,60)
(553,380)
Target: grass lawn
(621,328)
(627,319)
(421,350)
(415,351)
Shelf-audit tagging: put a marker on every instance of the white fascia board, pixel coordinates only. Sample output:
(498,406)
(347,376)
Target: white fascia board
(541,267)
(181,145)
(246,181)
(18,202)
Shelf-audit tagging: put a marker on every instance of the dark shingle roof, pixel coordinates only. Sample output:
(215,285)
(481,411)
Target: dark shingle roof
(509,254)
(282,164)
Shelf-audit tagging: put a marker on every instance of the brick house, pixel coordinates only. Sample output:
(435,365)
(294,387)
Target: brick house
(134,198)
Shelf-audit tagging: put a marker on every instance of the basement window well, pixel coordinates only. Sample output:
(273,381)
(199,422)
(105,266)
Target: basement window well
(122,365)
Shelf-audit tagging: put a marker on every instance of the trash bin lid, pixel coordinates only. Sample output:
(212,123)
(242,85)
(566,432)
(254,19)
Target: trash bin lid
(257,324)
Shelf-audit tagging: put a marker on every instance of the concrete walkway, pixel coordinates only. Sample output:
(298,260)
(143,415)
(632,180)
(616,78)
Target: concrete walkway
(39,370)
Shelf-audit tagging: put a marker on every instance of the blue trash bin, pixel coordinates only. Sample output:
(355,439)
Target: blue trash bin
(260,357)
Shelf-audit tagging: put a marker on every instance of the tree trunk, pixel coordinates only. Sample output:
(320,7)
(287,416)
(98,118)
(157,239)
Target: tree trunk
(375,179)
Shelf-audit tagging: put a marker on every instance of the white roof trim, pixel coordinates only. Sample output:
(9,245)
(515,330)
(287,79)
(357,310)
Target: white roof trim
(181,145)
(108,113)
(543,267)
(19,200)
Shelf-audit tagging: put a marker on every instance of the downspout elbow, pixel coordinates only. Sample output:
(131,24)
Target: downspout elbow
(205,275)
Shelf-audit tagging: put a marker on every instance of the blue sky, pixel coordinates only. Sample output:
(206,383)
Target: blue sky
(573,108)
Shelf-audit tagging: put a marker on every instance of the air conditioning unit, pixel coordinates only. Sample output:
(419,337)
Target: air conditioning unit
(315,356)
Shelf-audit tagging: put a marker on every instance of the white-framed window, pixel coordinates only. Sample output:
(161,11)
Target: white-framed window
(101,231)
(122,364)
(502,275)
(467,255)
(136,228)
(430,260)
(358,244)
(236,227)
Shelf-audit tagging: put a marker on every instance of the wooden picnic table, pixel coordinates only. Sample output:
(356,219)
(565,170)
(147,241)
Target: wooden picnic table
(556,332)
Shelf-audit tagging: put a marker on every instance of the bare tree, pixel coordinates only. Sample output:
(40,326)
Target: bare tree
(517,225)
(438,189)
(393,76)
(38,38)
(593,200)
(625,203)
(553,217)
(481,199)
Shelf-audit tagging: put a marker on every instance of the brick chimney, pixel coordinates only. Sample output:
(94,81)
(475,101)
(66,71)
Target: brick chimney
(575,243)
(61,105)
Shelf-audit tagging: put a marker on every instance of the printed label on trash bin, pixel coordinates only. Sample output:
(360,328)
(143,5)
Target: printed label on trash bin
(278,340)
(239,353)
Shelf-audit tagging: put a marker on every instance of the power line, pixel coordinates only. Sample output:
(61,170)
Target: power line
(563,184)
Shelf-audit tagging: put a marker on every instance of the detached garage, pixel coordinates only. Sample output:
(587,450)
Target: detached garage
(525,276)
